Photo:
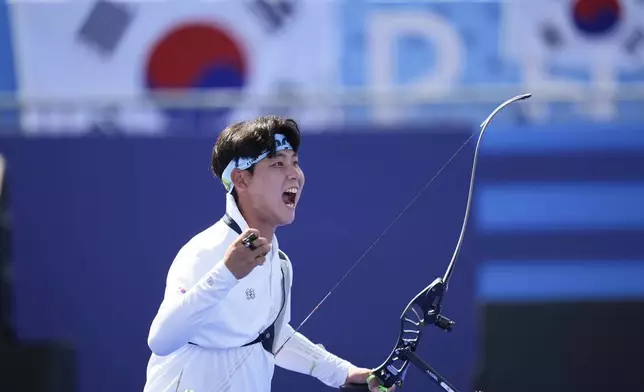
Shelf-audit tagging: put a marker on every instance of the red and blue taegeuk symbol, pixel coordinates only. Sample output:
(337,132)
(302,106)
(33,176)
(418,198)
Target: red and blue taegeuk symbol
(596,17)
(196,56)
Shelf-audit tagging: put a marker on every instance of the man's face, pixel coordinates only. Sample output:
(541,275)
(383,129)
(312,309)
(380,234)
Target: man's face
(275,187)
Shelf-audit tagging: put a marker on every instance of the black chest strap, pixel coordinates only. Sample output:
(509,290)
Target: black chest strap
(266,337)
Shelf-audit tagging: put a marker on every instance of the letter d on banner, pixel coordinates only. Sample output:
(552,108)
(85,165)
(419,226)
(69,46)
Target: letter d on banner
(386,28)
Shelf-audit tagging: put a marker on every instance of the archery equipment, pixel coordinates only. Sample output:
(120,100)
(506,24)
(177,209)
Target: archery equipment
(248,241)
(425,308)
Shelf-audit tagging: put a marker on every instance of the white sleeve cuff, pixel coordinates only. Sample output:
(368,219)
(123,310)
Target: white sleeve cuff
(303,356)
(340,368)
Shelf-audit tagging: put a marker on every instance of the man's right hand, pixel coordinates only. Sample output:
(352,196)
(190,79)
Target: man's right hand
(240,260)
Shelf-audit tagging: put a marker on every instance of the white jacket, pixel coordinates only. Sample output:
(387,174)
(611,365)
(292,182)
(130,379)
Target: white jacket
(206,305)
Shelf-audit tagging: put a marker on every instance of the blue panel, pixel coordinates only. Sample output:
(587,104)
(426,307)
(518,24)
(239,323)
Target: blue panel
(7,72)
(475,24)
(551,206)
(511,281)
(540,139)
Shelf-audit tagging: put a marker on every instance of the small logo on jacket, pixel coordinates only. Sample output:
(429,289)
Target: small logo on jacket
(250,293)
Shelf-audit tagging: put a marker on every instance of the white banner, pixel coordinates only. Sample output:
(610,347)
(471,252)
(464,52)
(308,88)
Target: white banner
(88,50)
(576,33)
(564,44)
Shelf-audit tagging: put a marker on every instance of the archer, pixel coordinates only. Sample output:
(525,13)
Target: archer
(224,320)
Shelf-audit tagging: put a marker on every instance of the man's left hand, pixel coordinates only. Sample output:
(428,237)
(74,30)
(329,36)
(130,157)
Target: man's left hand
(359,376)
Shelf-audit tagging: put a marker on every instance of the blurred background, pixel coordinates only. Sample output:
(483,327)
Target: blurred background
(109,111)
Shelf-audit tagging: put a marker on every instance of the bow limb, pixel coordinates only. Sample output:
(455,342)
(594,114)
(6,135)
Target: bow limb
(484,125)
(425,308)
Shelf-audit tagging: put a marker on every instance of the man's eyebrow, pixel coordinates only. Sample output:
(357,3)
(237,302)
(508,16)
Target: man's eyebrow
(282,154)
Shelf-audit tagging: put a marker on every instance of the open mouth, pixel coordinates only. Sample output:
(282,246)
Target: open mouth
(289,197)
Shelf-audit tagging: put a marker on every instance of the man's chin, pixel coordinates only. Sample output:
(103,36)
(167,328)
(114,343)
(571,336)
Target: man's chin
(287,215)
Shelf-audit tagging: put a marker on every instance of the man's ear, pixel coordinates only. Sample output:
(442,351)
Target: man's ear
(240,178)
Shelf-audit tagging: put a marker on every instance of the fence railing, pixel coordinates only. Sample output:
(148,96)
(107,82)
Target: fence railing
(194,109)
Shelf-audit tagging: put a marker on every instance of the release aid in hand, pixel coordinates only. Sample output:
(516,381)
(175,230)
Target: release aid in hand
(248,241)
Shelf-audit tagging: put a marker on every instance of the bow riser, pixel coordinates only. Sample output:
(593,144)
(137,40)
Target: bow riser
(422,310)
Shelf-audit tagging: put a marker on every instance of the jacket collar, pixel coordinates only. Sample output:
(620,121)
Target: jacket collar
(233,211)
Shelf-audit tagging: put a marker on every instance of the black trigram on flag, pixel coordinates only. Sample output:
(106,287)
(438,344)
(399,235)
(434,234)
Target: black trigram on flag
(105,26)
(275,14)
(551,36)
(635,42)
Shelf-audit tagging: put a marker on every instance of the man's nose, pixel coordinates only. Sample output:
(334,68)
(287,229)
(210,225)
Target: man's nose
(293,173)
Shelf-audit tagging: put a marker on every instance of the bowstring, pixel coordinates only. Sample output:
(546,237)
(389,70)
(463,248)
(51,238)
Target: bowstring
(364,254)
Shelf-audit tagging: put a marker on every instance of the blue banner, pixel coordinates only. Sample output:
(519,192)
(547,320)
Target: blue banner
(446,46)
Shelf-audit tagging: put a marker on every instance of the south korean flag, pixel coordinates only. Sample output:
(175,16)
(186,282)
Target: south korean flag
(576,33)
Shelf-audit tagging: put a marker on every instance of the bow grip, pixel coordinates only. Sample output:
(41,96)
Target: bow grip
(352,387)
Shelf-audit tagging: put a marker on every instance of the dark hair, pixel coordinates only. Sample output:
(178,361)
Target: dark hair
(248,139)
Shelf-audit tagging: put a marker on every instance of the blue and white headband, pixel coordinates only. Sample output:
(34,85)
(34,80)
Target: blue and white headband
(244,163)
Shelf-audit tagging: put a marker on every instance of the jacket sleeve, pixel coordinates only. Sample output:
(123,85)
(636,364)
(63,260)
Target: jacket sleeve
(191,290)
(303,356)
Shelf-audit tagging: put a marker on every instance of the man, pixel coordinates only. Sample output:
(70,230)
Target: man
(226,309)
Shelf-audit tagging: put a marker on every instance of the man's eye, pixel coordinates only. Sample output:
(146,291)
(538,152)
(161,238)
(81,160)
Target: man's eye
(277,164)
